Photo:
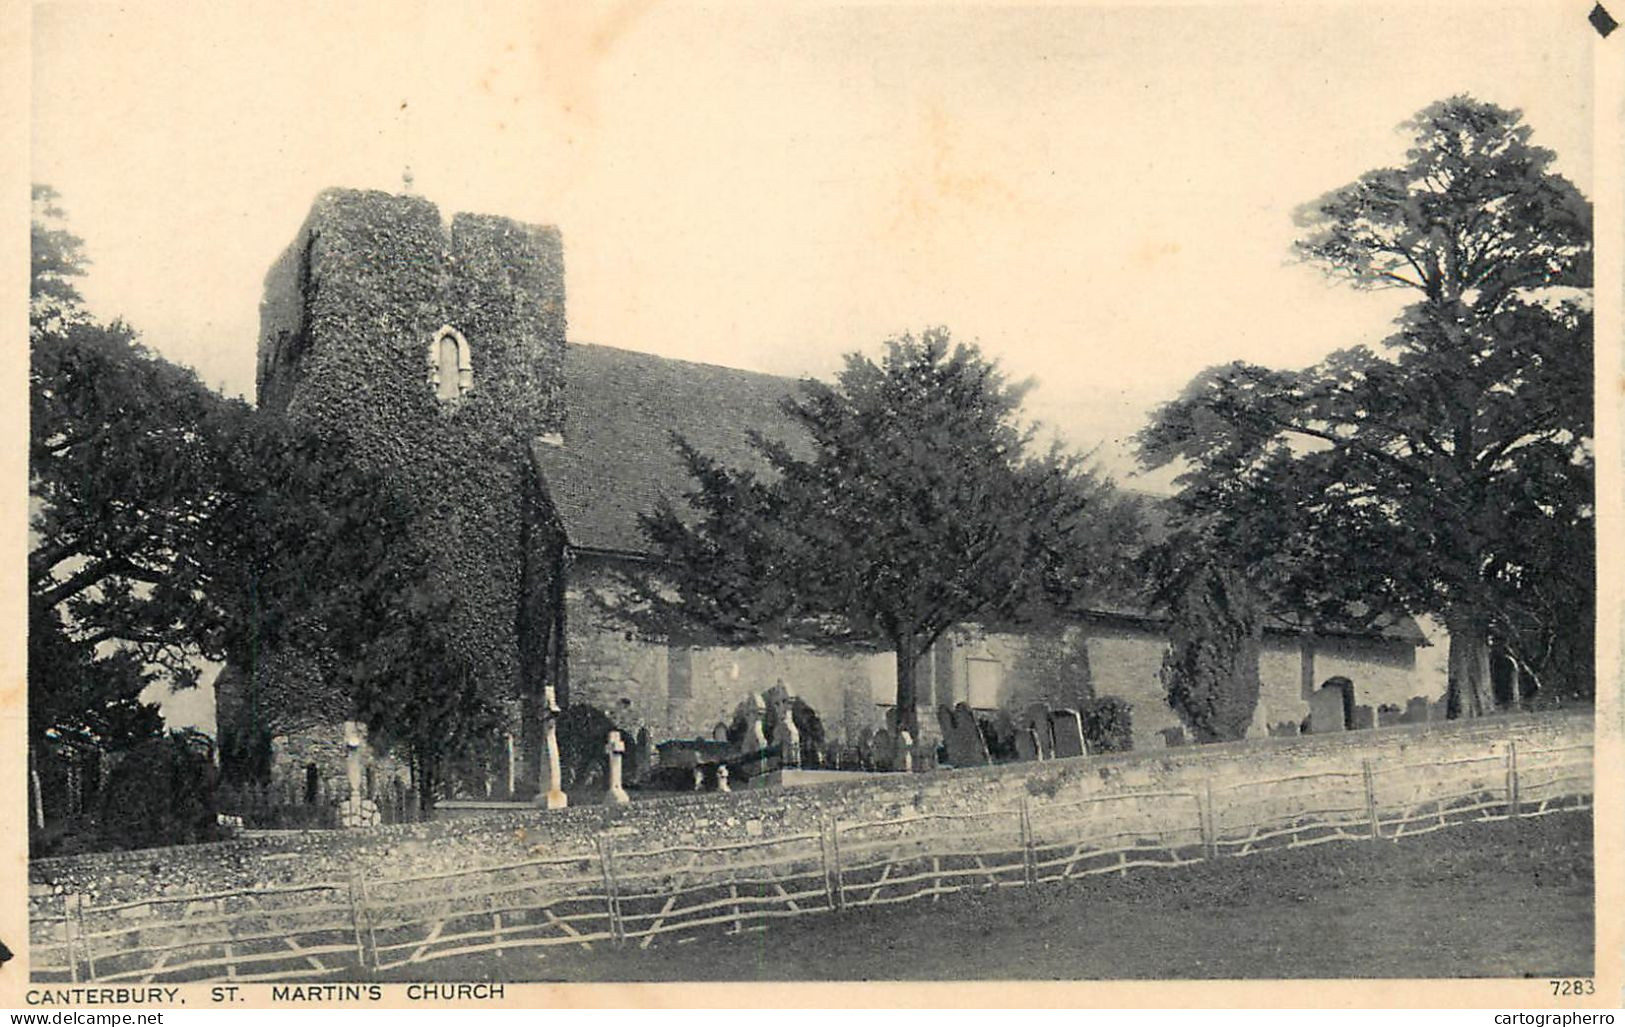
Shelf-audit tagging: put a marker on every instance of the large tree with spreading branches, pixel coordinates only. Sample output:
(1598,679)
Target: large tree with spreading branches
(1447,469)
(912,499)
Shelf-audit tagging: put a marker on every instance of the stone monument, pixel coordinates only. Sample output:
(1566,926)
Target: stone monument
(614,748)
(554,797)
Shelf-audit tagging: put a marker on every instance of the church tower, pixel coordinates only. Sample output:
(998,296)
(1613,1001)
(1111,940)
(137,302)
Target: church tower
(432,351)
(381,312)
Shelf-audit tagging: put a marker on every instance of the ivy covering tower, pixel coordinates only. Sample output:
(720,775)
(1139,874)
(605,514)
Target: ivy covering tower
(431,353)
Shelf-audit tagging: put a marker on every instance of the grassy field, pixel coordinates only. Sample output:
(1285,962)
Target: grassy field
(1504,899)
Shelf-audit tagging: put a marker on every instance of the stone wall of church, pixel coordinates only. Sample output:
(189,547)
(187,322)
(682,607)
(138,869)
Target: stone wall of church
(679,691)
(685,691)
(993,670)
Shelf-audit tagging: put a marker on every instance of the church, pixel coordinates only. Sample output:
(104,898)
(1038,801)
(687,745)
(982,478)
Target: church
(436,349)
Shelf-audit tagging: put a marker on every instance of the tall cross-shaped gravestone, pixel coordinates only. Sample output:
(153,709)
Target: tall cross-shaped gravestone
(357,810)
(614,748)
(555,797)
(756,738)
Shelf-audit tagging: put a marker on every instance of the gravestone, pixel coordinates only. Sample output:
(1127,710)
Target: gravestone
(639,757)
(905,752)
(1002,732)
(945,723)
(966,746)
(1036,715)
(719,732)
(1284,729)
(1172,737)
(882,751)
(866,747)
(554,797)
(357,810)
(755,738)
(614,748)
(1067,728)
(1026,743)
(722,778)
(1326,710)
(1387,715)
(1416,711)
(1364,718)
(1439,711)
(787,739)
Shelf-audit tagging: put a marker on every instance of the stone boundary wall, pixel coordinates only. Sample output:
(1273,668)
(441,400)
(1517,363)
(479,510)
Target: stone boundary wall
(711,818)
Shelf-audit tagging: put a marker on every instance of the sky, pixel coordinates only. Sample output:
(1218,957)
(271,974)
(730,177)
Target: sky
(1102,197)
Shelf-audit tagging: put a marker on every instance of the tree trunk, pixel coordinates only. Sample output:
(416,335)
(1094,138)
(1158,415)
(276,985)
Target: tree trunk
(907,700)
(1471,693)
(426,785)
(38,793)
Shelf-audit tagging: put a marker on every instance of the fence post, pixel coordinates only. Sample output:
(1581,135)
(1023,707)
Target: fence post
(1204,814)
(231,969)
(1512,779)
(496,921)
(824,863)
(366,955)
(837,889)
(1371,799)
(1028,858)
(606,864)
(85,941)
(71,905)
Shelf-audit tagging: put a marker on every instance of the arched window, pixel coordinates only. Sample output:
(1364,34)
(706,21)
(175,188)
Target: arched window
(451,367)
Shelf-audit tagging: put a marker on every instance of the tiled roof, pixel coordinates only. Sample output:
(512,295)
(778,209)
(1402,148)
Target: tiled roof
(617,459)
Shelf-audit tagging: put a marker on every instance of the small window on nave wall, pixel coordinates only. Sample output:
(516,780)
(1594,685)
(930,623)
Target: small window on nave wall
(451,367)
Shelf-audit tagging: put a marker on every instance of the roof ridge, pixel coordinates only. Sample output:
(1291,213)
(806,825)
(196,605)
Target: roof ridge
(578,344)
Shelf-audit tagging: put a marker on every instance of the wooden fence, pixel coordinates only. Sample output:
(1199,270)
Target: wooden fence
(608,894)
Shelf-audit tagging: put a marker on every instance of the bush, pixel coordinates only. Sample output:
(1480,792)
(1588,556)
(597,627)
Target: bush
(161,793)
(245,754)
(1108,724)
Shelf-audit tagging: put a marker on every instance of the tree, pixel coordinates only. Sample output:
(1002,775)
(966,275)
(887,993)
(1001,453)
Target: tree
(411,682)
(912,503)
(1210,669)
(172,525)
(127,469)
(125,465)
(56,259)
(161,793)
(333,613)
(1448,471)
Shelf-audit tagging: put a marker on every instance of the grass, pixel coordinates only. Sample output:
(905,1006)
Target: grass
(1504,899)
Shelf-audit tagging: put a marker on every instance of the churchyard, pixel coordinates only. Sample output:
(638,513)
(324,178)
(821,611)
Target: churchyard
(690,871)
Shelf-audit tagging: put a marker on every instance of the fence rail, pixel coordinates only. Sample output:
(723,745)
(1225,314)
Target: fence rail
(609,895)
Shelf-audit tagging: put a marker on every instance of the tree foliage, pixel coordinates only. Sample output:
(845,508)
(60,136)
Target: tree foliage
(1210,669)
(160,793)
(912,502)
(336,614)
(172,525)
(125,473)
(1448,469)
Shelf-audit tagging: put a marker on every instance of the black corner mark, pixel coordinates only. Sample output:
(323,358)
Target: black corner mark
(1602,21)
(5,954)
